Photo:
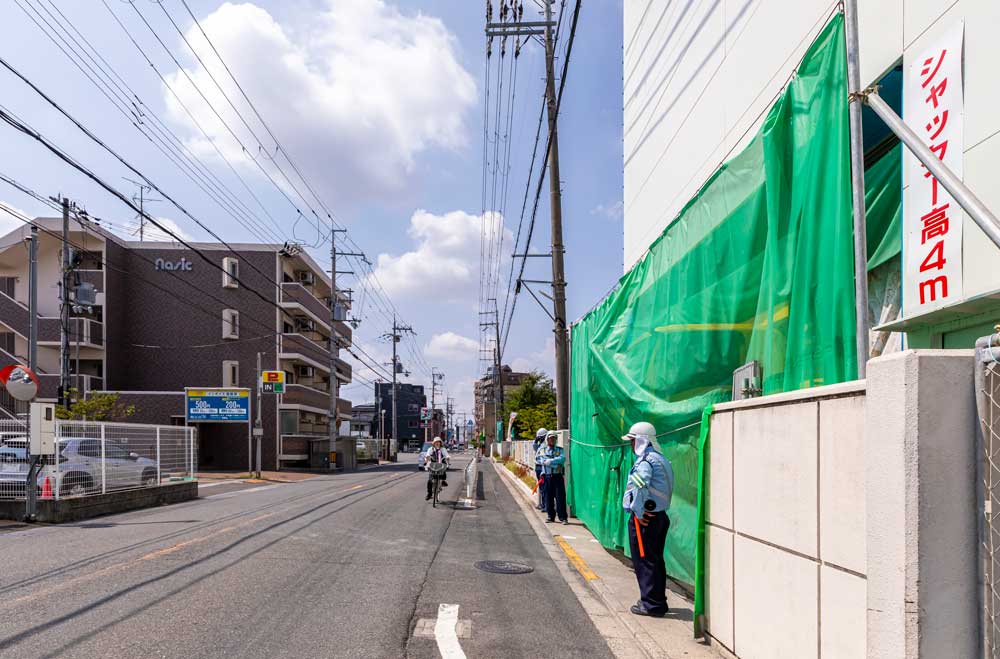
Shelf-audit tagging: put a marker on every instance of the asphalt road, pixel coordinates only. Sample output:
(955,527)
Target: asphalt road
(351,565)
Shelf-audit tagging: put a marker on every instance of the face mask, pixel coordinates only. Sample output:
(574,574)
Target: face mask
(642,442)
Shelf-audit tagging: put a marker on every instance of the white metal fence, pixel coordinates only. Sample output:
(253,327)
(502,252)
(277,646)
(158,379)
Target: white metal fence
(96,458)
(523,452)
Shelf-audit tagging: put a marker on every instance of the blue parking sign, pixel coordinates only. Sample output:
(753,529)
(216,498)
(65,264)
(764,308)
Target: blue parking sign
(217,405)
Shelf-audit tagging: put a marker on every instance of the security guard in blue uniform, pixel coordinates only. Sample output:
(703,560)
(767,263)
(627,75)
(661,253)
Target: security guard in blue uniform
(647,500)
(553,463)
(539,443)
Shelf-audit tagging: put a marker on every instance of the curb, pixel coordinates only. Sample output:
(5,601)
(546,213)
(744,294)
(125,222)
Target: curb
(643,640)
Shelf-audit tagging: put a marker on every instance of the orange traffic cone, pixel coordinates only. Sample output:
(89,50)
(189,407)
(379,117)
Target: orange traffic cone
(47,489)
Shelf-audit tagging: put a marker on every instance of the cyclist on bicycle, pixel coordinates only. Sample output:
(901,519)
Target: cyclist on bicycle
(437,454)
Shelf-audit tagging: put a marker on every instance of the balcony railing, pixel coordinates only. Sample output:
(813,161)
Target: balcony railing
(295,293)
(299,344)
(84,331)
(300,394)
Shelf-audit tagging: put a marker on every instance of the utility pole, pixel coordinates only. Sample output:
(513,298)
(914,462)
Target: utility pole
(143,188)
(258,428)
(395,336)
(64,305)
(337,313)
(32,478)
(555,196)
(515,27)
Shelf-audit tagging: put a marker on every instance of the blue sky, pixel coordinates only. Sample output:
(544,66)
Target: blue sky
(380,104)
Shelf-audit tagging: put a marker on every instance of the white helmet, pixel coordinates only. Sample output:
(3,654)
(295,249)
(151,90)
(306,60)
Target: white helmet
(643,434)
(643,428)
(542,432)
(437,440)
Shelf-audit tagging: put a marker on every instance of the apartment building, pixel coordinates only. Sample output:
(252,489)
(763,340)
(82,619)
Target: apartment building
(485,397)
(167,318)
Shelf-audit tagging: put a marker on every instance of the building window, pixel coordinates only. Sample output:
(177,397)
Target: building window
(289,422)
(230,373)
(232,272)
(418,391)
(413,407)
(230,324)
(412,424)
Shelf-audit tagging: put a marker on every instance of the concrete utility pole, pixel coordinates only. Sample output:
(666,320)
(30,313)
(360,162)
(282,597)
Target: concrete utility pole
(515,27)
(64,307)
(395,336)
(555,196)
(348,461)
(258,428)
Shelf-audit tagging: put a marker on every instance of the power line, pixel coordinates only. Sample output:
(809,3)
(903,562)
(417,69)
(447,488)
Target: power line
(541,177)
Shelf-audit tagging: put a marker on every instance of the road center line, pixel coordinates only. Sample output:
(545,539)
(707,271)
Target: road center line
(446,632)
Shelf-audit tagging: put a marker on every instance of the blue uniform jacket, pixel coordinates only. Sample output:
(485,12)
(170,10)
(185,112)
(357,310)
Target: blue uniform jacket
(650,480)
(555,456)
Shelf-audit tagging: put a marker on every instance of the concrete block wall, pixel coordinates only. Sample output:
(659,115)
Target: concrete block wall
(786,525)
(842,519)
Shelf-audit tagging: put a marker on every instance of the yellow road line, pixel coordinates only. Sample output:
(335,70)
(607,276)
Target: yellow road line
(575,559)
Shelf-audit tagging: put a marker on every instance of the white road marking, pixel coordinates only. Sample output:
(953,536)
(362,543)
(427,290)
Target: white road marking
(569,537)
(446,634)
(214,483)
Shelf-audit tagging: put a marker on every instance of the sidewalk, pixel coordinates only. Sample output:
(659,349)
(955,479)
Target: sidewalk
(614,583)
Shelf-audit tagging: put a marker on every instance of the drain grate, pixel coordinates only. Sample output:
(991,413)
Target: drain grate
(504,567)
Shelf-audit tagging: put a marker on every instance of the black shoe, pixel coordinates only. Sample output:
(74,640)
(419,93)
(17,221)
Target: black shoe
(639,611)
(427,498)
(444,483)
(551,521)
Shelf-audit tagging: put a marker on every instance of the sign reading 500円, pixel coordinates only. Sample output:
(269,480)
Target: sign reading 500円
(217,405)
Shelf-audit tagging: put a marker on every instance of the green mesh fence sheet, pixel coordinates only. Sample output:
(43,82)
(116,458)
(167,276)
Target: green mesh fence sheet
(758,265)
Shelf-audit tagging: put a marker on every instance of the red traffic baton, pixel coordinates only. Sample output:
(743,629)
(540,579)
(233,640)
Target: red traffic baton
(638,536)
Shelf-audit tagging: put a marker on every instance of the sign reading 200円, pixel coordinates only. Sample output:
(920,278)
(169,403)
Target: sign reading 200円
(217,405)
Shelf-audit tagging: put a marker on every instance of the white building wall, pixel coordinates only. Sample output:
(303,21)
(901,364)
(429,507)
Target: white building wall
(700,74)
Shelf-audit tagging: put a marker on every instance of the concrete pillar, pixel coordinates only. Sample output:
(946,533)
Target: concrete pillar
(921,505)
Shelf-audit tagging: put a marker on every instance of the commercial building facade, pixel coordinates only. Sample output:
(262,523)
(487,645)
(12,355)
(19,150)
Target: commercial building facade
(409,399)
(167,318)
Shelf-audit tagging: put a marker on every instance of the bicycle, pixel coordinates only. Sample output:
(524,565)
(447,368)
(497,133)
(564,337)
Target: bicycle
(438,473)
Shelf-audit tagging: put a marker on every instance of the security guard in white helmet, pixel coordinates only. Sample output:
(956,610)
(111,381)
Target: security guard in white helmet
(647,500)
(538,445)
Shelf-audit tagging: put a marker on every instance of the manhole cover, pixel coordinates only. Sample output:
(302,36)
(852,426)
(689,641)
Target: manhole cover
(504,567)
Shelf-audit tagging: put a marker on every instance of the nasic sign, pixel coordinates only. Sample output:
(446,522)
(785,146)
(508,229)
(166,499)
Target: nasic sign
(932,221)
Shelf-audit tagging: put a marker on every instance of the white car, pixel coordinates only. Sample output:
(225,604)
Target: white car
(422,456)
(79,470)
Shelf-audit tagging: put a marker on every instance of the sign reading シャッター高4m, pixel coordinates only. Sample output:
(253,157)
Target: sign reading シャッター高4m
(932,221)
(217,405)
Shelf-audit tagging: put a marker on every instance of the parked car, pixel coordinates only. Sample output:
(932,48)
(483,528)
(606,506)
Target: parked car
(79,470)
(422,457)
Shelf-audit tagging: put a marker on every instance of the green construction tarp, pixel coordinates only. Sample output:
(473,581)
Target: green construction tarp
(757,266)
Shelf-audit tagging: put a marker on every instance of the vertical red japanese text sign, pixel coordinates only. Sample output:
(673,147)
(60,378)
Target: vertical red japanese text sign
(933,106)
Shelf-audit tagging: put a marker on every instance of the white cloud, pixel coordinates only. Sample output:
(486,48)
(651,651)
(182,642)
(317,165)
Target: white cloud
(544,360)
(8,222)
(615,211)
(354,96)
(452,347)
(445,261)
